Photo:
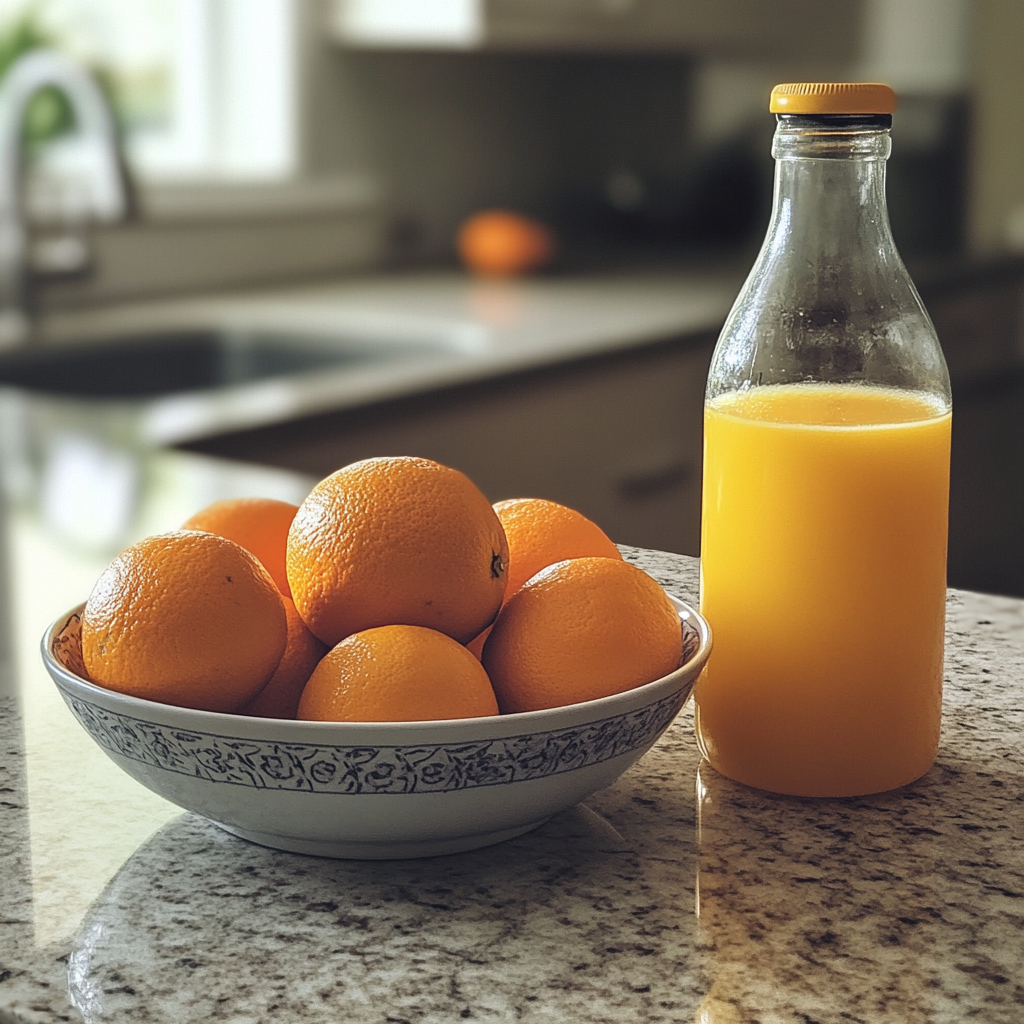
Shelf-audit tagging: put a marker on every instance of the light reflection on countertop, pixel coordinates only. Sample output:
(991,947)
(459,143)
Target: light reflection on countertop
(68,777)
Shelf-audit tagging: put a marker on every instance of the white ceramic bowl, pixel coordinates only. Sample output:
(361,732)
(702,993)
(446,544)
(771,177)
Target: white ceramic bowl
(375,790)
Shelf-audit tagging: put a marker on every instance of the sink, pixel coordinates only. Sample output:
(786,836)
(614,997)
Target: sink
(150,365)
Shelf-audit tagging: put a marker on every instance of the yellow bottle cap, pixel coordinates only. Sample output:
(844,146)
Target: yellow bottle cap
(832,98)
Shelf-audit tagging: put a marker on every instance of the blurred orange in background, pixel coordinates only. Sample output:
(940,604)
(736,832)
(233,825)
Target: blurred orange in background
(500,243)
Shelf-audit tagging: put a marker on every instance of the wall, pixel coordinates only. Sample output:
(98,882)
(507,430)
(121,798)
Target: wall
(997,171)
(592,141)
(631,142)
(445,134)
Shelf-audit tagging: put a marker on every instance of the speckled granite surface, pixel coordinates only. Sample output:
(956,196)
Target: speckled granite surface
(674,895)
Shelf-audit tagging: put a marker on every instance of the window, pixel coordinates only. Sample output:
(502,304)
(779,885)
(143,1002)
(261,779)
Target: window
(414,23)
(204,89)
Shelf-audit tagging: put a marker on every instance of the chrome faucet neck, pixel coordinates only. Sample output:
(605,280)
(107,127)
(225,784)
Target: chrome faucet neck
(108,191)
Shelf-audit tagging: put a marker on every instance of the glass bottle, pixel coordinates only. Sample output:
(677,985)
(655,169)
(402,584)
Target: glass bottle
(826,479)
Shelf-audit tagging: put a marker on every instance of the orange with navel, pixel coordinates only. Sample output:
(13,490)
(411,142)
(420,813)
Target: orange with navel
(260,525)
(302,653)
(540,533)
(500,243)
(397,674)
(579,630)
(186,618)
(393,541)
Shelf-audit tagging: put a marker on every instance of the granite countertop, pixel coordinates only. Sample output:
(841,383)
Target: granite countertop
(673,895)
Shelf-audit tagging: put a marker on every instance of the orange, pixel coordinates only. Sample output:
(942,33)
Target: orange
(185,618)
(397,674)
(260,525)
(540,533)
(476,645)
(280,697)
(396,541)
(581,629)
(499,243)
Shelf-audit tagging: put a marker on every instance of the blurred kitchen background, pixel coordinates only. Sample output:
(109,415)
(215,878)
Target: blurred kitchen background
(299,170)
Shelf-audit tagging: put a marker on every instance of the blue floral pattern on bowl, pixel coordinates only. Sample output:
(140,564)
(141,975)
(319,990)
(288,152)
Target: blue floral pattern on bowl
(348,770)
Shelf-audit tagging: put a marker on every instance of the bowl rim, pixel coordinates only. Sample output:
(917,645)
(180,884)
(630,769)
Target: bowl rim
(528,721)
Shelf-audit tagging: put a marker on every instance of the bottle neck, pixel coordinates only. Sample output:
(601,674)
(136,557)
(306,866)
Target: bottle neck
(828,298)
(830,187)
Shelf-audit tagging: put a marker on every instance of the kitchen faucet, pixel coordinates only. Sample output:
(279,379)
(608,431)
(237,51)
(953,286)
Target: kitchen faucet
(108,191)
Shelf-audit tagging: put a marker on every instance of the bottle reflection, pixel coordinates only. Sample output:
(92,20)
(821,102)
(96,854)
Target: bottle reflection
(804,909)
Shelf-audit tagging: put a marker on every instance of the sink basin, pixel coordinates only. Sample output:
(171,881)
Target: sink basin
(197,360)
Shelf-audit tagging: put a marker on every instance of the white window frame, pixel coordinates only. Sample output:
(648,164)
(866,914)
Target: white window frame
(235,110)
(232,147)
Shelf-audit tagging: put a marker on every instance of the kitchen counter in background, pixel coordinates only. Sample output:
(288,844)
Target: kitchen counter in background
(585,389)
(673,896)
(465,329)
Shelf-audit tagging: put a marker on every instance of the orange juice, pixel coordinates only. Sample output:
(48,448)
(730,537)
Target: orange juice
(823,575)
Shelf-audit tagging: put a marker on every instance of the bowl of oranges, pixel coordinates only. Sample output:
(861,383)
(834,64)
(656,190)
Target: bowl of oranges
(394,668)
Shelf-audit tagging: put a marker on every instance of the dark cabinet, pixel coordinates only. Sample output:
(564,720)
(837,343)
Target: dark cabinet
(979,316)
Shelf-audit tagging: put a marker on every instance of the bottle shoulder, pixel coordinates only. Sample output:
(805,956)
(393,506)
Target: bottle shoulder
(801,319)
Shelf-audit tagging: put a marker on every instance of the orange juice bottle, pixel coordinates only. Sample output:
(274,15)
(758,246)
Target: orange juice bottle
(826,479)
